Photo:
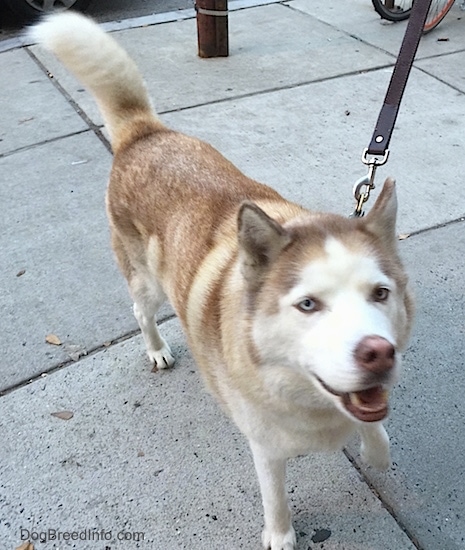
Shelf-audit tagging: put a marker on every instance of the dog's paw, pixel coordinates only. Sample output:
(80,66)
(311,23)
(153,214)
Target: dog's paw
(377,453)
(279,541)
(162,358)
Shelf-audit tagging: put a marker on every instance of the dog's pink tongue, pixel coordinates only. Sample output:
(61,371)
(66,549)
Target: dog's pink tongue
(368,405)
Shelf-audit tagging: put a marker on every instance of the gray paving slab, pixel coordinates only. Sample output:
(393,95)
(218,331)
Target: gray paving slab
(270,47)
(152,453)
(427,426)
(307,142)
(53,227)
(447,68)
(358,18)
(32,108)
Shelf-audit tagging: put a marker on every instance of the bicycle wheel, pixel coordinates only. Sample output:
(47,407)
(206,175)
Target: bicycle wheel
(30,10)
(437,11)
(393,10)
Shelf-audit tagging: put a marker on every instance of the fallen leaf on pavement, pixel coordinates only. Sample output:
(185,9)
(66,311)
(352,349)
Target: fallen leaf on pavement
(64,415)
(53,339)
(26,546)
(74,351)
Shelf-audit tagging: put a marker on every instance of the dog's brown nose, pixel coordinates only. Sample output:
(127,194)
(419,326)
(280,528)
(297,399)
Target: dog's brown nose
(375,354)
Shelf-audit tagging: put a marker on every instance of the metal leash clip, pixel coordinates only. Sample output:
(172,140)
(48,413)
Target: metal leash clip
(365,184)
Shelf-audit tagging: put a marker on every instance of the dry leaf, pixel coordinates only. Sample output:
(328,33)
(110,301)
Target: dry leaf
(404,236)
(26,546)
(53,339)
(22,272)
(75,351)
(64,415)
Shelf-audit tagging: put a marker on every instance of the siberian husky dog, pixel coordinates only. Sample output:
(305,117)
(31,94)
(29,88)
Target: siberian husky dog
(295,318)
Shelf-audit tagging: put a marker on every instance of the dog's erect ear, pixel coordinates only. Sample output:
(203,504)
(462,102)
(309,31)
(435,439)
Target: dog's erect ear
(261,239)
(381,220)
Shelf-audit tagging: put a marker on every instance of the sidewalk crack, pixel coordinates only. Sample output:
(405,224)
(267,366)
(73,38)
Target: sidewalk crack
(93,351)
(95,128)
(413,539)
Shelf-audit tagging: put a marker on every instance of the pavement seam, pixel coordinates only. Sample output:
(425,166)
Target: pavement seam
(68,362)
(367,43)
(441,54)
(347,33)
(436,77)
(95,128)
(44,142)
(277,89)
(413,539)
(461,219)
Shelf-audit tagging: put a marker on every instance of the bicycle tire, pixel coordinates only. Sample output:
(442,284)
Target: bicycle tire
(393,11)
(30,10)
(437,11)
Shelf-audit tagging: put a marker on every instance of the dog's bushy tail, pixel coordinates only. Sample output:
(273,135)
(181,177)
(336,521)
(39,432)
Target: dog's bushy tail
(100,63)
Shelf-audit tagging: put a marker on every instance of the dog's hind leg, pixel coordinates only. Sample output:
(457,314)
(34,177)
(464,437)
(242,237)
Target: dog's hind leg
(148,296)
(374,448)
(278,533)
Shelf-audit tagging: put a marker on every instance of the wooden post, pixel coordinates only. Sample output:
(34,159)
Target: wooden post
(212,28)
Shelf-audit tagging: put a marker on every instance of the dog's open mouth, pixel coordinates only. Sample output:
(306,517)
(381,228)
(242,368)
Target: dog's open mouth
(370,405)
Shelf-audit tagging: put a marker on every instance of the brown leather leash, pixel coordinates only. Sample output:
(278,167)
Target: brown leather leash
(377,152)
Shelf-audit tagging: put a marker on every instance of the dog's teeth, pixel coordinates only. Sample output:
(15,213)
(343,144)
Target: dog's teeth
(355,399)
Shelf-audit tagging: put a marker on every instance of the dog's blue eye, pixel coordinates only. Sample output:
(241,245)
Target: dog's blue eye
(380,294)
(307,305)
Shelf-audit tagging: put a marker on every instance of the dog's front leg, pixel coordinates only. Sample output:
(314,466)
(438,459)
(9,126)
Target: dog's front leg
(374,448)
(278,533)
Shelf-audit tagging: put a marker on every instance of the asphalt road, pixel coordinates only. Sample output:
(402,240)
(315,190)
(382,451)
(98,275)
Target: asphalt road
(102,10)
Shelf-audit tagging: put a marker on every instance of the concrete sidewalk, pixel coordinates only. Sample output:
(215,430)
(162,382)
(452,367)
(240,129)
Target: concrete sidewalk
(147,460)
